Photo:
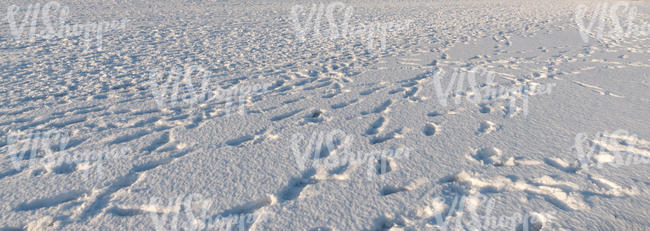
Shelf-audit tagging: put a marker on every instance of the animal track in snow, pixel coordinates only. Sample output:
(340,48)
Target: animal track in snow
(484,108)
(430,129)
(486,127)
(344,104)
(376,126)
(434,114)
(162,140)
(370,91)
(398,133)
(240,140)
(617,150)
(570,201)
(251,207)
(562,165)
(492,156)
(315,116)
(97,202)
(49,201)
(130,137)
(384,107)
(257,137)
(296,185)
(388,190)
(285,115)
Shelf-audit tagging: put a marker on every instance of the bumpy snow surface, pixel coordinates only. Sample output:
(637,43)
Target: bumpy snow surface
(324,115)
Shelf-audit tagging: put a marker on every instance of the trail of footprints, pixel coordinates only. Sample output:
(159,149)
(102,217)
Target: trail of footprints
(92,204)
(99,201)
(294,187)
(561,194)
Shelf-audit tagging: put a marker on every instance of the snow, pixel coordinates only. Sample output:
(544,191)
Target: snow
(245,115)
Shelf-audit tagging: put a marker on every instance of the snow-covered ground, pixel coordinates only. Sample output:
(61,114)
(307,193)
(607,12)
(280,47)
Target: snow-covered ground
(351,115)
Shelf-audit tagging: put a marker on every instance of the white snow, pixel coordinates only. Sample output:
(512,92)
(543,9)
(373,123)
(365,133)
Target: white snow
(259,115)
